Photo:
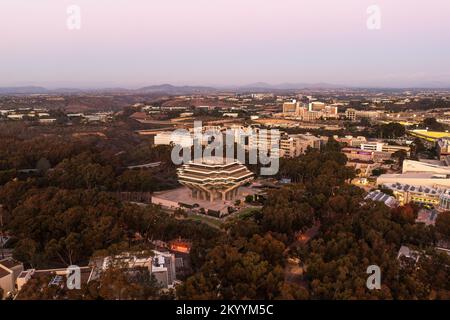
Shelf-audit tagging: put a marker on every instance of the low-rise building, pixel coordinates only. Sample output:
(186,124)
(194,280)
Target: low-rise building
(163,268)
(443,147)
(379,196)
(297,144)
(355,154)
(444,201)
(432,180)
(10,270)
(160,264)
(384,147)
(420,166)
(406,193)
(406,253)
(175,137)
(351,141)
(352,114)
(427,217)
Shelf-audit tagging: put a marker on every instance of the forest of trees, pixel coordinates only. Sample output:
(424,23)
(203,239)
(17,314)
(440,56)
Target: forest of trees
(249,261)
(66,212)
(89,162)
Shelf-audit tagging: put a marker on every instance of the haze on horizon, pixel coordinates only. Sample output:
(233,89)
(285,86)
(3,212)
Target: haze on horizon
(224,42)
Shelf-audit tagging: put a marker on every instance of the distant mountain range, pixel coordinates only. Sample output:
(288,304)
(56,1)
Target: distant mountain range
(22,90)
(291,86)
(175,90)
(185,90)
(160,89)
(171,89)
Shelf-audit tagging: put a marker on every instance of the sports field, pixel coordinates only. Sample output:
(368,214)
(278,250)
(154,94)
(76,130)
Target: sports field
(429,135)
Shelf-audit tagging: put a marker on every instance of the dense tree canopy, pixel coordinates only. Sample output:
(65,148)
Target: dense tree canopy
(68,211)
(391,130)
(353,234)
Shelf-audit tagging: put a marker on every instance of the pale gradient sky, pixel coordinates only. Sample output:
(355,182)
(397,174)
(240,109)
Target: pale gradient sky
(224,42)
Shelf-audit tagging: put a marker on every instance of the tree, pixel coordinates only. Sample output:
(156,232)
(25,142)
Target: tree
(404,214)
(378,171)
(249,198)
(443,224)
(38,288)
(418,146)
(234,272)
(332,146)
(26,250)
(43,165)
(432,124)
(400,155)
(287,211)
(117,283)
(391,130)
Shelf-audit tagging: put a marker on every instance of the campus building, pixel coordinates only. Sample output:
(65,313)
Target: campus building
(443,147)
(353,114)
(379,196)
(444,201)
(290,107)
(161,265)
(214,179)
(420,166)
(265,141)
(172,137)
(10,270)
(406,193)
(351,141)
(384,147)
(297,144)
(350,114)
(425,179)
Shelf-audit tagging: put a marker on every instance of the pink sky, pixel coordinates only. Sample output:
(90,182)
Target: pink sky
(138,42)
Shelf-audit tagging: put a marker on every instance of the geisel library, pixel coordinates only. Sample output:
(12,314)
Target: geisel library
(214,178)
(212,184)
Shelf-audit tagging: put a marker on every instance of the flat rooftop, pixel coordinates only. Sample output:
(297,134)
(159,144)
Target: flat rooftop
(9,263)
(3,272)
(415,175)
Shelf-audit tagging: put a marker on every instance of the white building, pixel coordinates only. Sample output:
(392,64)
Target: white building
(163,268)
(426,179)
(10,269)
(443,147)
(316,106)
(384,147)
(379,196)
(406,193)
(175,137)
(418,166)
(161,265)
(297,144)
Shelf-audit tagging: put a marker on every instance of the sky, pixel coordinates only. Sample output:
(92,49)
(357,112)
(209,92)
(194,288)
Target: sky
(133,43)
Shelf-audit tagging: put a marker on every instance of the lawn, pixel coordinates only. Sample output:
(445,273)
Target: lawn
(247,212)
(205,219)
